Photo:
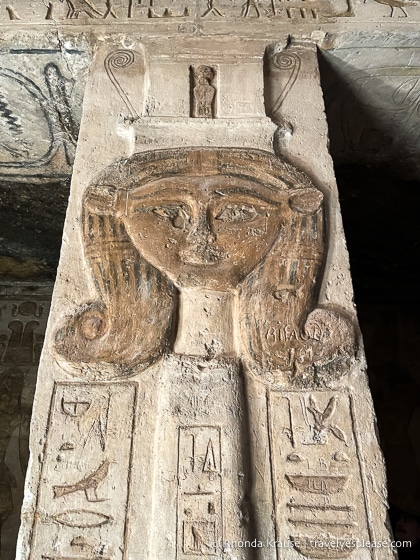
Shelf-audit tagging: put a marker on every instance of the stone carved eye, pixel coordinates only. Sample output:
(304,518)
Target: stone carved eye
(177,214)
(237,213)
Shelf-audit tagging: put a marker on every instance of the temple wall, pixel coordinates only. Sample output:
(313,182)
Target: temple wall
(202,382)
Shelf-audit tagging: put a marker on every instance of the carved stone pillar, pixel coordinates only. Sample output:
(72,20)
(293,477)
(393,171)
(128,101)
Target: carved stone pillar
(202,392)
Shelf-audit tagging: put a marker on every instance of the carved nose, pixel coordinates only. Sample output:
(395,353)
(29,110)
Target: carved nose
(202,248)
(202,232)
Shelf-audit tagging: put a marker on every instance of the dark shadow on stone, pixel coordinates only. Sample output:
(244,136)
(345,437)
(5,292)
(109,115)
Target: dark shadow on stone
(31,228)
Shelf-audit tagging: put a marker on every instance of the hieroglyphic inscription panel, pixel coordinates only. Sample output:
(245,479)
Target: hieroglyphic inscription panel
(23,318)
(200,509)
(258,12)
(81,509)
(318,483)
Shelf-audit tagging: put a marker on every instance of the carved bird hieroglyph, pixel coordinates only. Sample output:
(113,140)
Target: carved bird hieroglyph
(396,4)
(76,7)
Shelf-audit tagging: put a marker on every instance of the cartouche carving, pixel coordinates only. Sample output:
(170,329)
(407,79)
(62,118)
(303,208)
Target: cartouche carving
(200,490)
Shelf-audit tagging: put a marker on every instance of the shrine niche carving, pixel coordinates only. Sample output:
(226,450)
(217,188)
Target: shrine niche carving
(167,231)
(203,91)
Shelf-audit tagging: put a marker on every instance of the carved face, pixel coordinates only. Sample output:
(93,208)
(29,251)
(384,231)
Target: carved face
(209,231)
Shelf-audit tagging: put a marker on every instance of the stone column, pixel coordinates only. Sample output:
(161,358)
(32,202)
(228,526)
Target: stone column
(202,391)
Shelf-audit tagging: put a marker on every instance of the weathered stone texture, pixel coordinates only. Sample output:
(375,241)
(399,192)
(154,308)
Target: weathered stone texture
(23,315)
(202,383)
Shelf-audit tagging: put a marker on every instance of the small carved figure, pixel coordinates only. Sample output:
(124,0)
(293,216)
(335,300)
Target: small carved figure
(203,93)
(77,7)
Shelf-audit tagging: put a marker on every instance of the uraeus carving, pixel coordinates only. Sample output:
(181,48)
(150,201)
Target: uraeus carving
(281,72)
(124,69)
(235,224)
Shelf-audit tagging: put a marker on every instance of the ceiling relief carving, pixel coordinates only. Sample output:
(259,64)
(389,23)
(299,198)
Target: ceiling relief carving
(259,12)
(39,116)
(170,230)
(376,106)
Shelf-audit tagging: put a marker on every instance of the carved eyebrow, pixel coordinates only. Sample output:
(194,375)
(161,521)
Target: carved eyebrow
(240,193)
(171,193)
